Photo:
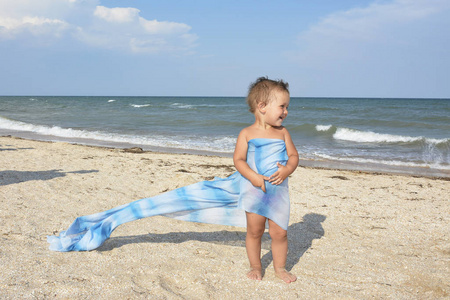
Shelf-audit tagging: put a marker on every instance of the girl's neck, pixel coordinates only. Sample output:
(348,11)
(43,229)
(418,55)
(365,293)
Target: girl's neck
(261,124)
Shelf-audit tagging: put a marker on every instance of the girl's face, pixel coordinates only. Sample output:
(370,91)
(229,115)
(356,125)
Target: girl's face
(276,109)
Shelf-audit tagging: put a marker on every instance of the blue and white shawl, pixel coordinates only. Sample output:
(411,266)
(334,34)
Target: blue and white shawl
(220,201)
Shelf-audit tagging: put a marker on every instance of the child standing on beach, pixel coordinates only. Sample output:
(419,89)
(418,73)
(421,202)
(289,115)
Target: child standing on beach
(255,195)
(268,101)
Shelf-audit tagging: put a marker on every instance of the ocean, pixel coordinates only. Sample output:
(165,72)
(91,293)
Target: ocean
(409,136)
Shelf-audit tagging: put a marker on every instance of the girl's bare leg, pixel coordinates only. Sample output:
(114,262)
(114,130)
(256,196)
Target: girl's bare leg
(279,252)
(255,230)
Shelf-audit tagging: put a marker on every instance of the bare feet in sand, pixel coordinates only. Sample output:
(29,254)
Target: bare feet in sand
(255,274)
(285,275)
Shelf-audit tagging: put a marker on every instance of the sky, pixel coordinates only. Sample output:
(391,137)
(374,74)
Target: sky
(322,48)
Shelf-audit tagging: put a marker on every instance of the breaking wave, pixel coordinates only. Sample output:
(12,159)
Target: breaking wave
(358,136)
(216,144)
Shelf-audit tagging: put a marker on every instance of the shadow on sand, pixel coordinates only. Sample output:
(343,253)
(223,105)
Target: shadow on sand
(11,176)
(12,148)
(300,235)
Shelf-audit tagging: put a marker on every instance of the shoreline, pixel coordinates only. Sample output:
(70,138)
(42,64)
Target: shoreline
(352,235)
(319,164)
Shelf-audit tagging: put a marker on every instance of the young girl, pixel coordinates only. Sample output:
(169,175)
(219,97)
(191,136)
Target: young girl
(264,157)
(268,101)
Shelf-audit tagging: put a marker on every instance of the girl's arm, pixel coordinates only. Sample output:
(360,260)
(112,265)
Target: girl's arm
(240,162)
(284,171)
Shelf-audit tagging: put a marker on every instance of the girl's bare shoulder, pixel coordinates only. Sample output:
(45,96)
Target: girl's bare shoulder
(248,132)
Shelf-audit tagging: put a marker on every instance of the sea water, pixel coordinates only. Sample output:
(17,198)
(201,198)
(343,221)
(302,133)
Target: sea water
(398,135)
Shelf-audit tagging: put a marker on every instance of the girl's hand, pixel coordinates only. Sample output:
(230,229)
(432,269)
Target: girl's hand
(258,181)
(279,176)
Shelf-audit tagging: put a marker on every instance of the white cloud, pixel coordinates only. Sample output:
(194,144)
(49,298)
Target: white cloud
(123,28)
(53,9)
(37,26)
(155,27)
(377,23)
(370,45)
(90,23)
(373,21)
(43,18)
(117,14)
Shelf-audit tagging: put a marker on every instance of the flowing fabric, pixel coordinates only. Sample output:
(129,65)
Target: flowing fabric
(221,201)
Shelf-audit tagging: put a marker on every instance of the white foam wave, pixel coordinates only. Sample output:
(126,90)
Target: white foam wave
(222,144)
(384,162)
(353,135)
(323,127)
(193,106)
(45,130)
(111,100)
(181,105)
(140,105)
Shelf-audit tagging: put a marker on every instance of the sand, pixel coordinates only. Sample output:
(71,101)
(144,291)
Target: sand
(353,235)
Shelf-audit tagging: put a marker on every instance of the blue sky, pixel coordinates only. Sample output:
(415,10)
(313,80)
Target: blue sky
(323,48)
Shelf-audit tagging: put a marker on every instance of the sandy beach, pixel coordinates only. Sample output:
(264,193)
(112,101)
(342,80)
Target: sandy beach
(352,235)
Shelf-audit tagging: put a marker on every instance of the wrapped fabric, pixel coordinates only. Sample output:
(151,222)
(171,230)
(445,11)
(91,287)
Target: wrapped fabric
(220,201)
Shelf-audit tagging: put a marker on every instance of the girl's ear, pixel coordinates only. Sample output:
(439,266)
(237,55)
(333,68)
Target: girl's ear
(261,107)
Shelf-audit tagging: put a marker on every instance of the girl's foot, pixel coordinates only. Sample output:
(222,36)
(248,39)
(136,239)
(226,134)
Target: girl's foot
(285,275)
(255,274)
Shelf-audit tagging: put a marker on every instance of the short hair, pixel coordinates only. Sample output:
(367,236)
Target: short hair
(261,90)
